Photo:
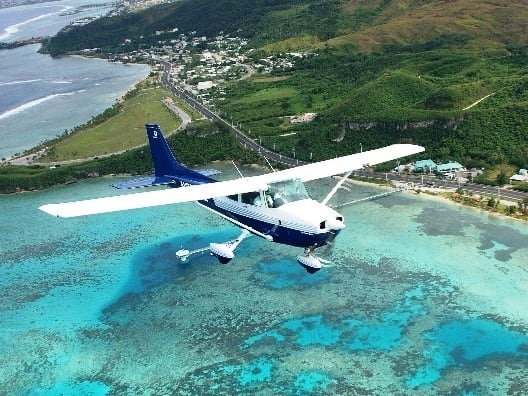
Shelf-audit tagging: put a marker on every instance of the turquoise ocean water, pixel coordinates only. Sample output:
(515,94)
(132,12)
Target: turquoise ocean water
(421,297)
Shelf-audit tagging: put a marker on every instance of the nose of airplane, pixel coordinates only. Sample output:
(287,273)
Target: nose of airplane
(335,224)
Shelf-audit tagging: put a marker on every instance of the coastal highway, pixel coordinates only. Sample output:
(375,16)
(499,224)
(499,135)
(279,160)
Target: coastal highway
(501,193)
(244,139)
(433,182)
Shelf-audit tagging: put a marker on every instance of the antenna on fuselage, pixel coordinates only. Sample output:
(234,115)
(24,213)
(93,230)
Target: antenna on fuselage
(238,170)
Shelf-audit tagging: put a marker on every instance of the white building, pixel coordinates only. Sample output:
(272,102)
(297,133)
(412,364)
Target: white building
(203,85)
(521,177)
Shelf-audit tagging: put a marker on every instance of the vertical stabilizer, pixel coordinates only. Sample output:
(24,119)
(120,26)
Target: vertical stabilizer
(166,166)
(162,156)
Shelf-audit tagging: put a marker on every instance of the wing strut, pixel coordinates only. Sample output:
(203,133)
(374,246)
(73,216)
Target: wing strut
(336,187)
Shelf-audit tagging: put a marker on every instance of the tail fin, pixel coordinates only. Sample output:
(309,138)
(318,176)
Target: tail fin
(166,165)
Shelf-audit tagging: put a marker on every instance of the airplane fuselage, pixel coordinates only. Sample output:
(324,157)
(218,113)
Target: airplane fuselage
(301,223)
(284,213)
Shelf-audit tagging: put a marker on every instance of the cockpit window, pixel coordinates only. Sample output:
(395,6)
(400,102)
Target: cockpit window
(286,191)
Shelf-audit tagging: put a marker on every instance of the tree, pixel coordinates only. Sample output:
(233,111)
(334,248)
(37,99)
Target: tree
(492,202)
(502,178)
(523,206)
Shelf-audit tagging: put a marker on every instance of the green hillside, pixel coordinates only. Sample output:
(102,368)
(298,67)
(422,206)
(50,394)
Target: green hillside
(450,75)
(264,21)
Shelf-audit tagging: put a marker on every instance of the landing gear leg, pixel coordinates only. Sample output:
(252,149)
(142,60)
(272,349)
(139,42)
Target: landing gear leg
(224,252)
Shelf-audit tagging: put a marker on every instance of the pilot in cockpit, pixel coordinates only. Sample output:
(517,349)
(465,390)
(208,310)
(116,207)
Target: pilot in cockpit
(279,198)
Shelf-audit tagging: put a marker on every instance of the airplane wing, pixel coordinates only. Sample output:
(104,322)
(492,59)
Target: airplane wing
(153,198)
(221,189)
(340,165)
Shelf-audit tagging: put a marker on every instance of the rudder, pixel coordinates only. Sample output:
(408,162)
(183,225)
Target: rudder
(162,156)
(165,163)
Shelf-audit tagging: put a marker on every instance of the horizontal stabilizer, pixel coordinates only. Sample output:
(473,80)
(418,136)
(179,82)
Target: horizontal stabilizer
(208,172)
(149,181)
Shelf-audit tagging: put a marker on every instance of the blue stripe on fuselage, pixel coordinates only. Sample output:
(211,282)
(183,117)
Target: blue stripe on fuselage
(280,234)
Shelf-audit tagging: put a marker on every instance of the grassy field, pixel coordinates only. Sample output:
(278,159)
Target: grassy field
(120,132)
(489,24)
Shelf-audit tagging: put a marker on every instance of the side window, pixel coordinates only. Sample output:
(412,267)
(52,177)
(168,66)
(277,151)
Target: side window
(278,194)
(251,198)
(233,197)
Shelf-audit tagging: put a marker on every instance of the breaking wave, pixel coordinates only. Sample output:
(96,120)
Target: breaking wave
(13,29)
(18,82)
(33,103)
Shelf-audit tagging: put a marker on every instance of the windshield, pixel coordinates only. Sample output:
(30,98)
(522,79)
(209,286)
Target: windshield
(286,191)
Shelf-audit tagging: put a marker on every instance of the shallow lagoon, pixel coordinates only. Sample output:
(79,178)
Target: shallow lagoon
(421,297)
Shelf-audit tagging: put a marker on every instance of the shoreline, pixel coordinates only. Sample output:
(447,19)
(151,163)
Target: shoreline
(427,193)
(24,160)
(118,88)
(34,153)
(439,195)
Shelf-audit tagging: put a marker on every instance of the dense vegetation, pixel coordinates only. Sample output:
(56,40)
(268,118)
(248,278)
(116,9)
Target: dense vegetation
(263,20)
(405,95)
(201,143)
(447,75)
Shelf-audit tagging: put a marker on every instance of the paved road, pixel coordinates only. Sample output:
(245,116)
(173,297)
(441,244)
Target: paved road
(244,139)
(501,193)
(270,155)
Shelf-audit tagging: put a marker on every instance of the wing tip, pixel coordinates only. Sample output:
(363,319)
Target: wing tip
(410,148)
(50,209)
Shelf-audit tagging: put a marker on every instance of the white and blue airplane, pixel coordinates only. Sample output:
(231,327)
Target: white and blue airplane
(274,206)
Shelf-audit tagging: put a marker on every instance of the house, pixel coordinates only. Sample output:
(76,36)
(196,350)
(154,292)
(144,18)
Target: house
(449,167)
(521,177)
(424,166)
(204,85)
